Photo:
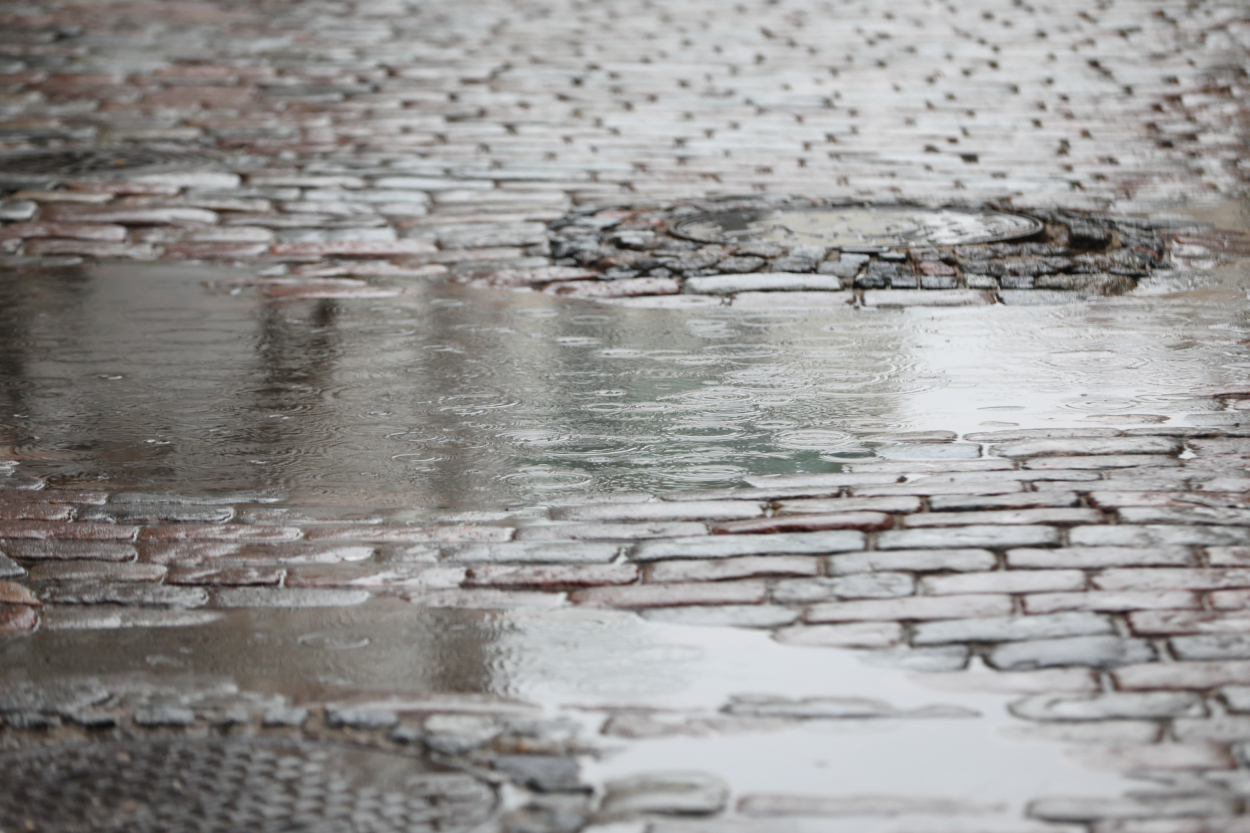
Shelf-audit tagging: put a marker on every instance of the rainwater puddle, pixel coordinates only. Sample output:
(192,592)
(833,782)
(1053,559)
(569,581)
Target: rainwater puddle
(650,696)
(138,376)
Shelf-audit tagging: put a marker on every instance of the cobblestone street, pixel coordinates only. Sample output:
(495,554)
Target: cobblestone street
(518,417)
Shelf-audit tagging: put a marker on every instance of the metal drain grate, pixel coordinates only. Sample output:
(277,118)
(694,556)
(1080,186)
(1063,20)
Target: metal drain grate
(228,785)
(103,160)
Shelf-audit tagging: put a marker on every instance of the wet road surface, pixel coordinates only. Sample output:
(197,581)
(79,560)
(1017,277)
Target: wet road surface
(363,467)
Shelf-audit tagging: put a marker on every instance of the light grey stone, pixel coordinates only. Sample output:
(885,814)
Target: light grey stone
(725,546)
(361,718)
(855,586)
(1013,628)
(532,552)
(1158,536)
(1085,651)
(934,660)
(1130,705)
(18,210)
(288,716)
(969,536)
(738,616)
(930,451)
(1088,446)
(1212,646)
(9,568)
(964,560)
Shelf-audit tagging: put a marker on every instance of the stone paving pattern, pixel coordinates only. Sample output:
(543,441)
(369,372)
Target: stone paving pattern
(356,140)
(344,149)
(1103,574)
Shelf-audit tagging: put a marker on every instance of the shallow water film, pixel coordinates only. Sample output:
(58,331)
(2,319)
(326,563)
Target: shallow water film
(793,416)
(164,378)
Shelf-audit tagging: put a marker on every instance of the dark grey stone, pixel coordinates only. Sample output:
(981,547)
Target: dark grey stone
(70,550)
(13,481)
(164,716)
(362,718)
(202,499)
(545,773)
(145,595)
(157,513)
(740,265)
(793,264)
(31,721)
(1016,281)
(61,697)
(1088,235)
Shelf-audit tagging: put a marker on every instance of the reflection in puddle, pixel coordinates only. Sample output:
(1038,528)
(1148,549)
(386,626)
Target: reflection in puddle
(768,719)
(718,700)
(139,376)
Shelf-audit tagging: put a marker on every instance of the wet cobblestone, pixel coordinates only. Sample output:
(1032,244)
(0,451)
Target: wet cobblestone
(361,151)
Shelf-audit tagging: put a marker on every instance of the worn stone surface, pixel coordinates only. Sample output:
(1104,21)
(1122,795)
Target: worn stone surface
(352,154)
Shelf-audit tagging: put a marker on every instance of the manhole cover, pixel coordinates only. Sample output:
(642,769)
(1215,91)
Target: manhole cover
(232,786)
(102,160)
(859,228)
(750,245)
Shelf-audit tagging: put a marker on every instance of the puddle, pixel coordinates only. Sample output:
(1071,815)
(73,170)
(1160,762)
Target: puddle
(136,376)
(716,692)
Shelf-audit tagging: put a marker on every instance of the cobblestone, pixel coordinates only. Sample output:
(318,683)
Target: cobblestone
(348,154)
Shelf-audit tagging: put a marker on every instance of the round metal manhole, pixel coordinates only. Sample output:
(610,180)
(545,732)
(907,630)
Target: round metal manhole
(233,785)
(859,228)
(102,160)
